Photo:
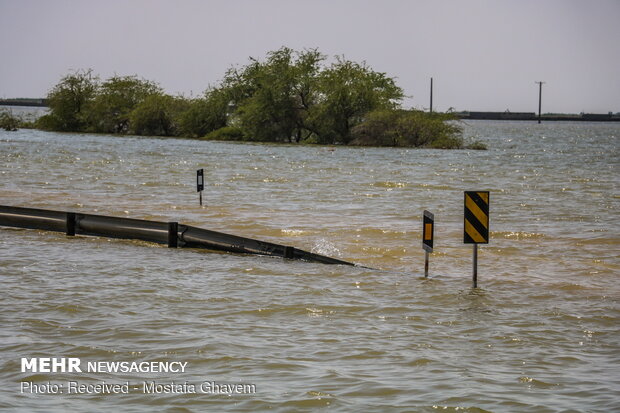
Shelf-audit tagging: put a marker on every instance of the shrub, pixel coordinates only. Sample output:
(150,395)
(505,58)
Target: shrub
(49,122)
(157,115)
(227,133)
(447,142)
(8,121)
(476,145)
(407,128)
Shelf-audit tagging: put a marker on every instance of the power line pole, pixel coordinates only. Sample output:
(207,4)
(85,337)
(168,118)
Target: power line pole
(539,99)
(431,95)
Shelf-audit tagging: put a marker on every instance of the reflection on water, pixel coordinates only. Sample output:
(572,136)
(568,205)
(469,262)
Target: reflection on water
(540,334)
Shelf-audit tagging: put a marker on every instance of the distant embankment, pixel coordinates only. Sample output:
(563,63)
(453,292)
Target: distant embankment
(583,117)
(24,102)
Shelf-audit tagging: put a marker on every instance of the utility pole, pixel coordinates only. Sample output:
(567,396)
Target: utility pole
(431,95)
(539,99)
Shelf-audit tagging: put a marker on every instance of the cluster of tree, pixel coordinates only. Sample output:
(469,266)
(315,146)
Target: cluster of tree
(289,97)
(8,121)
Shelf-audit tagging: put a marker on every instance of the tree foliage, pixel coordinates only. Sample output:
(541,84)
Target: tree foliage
(110,110)
(67,101)
(290,96)
(348,91)
(8,121)
(408,128)
(271,98)
(204,115)
(157,114)
(293,96)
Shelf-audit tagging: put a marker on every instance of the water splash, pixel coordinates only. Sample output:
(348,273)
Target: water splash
(325,247)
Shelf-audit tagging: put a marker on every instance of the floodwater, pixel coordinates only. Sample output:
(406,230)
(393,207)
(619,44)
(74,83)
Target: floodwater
(541,333)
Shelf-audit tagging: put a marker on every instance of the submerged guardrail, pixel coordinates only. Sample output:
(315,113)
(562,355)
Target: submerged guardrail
(172,234)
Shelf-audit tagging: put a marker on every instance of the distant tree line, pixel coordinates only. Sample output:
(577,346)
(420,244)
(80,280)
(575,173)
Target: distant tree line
(289,97)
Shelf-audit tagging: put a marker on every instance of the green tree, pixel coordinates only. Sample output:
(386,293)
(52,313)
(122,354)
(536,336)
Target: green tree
(272,98)
(206,114)
(306,91)
(157,115)
(291,96)
(348,91)
(67,101)
(240,84)
(269,113)
(117,97)
(8,121)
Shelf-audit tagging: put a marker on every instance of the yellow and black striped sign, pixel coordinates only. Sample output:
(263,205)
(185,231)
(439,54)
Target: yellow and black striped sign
(476,221)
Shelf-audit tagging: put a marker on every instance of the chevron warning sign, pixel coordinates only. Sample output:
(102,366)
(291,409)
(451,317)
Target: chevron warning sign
(476,222)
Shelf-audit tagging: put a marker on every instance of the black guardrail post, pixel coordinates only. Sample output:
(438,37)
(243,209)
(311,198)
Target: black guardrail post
(289,252)
(71,223)
(173,230)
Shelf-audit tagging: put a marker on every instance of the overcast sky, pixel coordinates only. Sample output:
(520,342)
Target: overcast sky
(483,55)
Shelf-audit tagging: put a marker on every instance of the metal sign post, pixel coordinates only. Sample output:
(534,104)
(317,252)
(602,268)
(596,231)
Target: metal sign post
(476,225)
(200,183)
(428,229)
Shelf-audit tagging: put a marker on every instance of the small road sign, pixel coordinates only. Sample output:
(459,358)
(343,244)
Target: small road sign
(200,180)
(428,229)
